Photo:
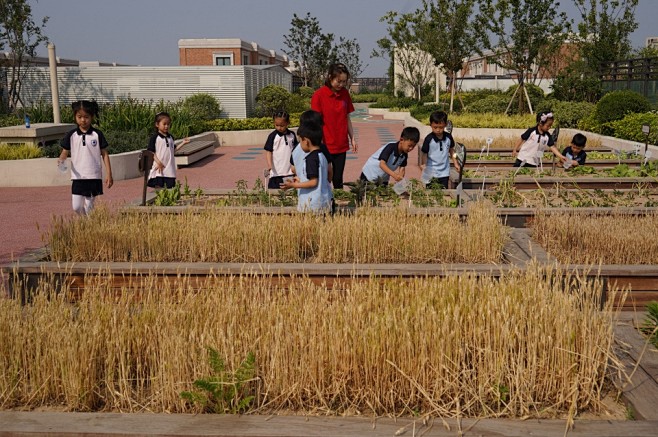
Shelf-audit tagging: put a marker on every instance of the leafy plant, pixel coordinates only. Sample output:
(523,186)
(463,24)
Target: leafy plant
(224,391)
(616,105)
(19,151)
(202,106)
(650,325)
(168,196)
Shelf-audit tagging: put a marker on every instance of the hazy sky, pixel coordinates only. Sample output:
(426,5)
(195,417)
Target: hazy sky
(146,32)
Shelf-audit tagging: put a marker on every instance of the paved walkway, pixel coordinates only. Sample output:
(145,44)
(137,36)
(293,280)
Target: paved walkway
(26,213)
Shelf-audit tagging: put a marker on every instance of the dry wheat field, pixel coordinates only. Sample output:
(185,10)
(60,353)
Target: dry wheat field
(580,238)
(527,344)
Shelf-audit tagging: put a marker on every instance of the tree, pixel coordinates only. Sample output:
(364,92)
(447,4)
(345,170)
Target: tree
(348,52)
(604,31)
(646,52)
(525,31)
(310,49)
(403,47)
(22,36)
(448,34)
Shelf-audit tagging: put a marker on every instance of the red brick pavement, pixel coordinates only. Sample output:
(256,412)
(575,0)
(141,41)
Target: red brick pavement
(26,213)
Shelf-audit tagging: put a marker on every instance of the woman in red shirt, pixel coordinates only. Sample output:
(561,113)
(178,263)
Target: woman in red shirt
(333,101)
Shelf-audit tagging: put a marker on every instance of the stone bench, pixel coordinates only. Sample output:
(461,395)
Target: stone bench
(194,151)
(38,134)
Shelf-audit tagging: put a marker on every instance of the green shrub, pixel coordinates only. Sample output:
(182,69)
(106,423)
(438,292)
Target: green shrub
(630,127)
(386,101)
(491,103)
(298,104)
(121,141)
(496,121)
(305,92)
(422,112)
(202,106)
(271,99)
(19,151)
(10,120)
(616,104)
(567,114)
(366,97)
(235,124)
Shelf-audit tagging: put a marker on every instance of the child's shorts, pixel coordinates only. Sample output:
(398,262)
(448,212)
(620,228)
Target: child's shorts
(518,163)
(161,182)
(275,182)
(87,187)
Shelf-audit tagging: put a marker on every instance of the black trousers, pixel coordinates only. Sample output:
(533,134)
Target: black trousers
(338,161)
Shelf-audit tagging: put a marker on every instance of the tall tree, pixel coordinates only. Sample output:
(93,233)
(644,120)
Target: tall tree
(310,50)
(518,32)
(348,51)
(22,36)
(604,30)
(403,47)
(447,32)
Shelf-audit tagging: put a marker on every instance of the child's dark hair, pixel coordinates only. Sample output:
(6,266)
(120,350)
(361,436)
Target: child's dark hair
(160,115)
(579,140)
(544,116)
(312,132)
(311,117)
(438,117)
(281,114)
(410,133)
(336,70)
(88,106)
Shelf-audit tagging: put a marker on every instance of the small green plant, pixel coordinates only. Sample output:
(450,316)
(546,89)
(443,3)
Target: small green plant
(224,391)
(650,324)
(19,151)
(168,196)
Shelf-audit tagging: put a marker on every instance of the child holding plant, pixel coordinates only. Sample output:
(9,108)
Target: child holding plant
(161,143)
(534,142)
(575,154)
(312,181)
(88,148)
(278,150)
(437,151)
(390,160)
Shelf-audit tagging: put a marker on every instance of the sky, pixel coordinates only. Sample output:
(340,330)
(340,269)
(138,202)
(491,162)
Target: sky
(146,32)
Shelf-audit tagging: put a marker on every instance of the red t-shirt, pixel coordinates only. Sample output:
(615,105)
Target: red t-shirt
(335,108)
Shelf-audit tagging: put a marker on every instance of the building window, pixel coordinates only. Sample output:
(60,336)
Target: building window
(245,60)
(223,59)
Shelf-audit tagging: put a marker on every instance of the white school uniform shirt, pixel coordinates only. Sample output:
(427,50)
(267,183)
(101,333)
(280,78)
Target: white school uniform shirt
(85,148)
(164,148)
(438,154)
(535,142)
(281,145)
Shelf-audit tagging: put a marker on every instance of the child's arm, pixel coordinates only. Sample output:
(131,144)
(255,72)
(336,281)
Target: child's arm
(517,147)
(108,168)
(557,153)
(453,157)
(296,183)
(268,158)
(62,156)
(423,160)
(388,171)
(181,144)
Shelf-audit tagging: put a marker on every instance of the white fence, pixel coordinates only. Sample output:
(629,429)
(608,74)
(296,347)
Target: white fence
(497,83)
(236,87)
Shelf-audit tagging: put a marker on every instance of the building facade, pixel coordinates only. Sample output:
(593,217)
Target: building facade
(225,52)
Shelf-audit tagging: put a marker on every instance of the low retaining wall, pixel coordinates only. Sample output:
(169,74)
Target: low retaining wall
(43,172)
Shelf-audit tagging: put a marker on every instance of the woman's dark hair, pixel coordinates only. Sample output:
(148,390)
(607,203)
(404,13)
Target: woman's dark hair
(336,70)
(282,114)
(89,106)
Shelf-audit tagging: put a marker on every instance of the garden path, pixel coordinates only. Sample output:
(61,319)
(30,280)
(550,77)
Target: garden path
(26,213)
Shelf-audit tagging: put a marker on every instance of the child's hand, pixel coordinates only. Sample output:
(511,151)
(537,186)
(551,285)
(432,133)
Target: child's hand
(159,166)
(398,177)
(289,183)
(422,167)
(185,141)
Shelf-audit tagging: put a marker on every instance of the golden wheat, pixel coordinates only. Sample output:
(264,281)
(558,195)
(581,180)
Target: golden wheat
(617,238)
(462,346)
(370,236)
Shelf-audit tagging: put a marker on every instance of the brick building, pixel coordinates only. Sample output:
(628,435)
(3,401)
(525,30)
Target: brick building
(227,51)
